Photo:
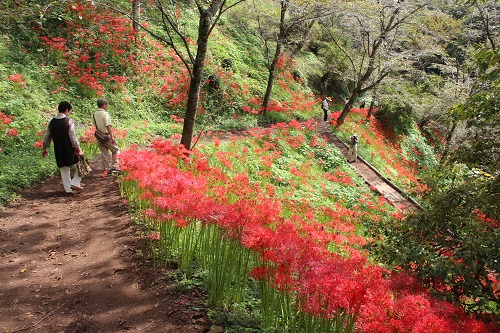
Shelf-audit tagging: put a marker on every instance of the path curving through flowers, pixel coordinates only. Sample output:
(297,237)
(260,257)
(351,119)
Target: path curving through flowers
(372,177)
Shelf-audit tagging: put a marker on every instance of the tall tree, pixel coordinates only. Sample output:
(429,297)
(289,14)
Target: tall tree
(288,26)
(209,14)
(433,79)
(366,35)
(283,26)
(481,111)
(176,36)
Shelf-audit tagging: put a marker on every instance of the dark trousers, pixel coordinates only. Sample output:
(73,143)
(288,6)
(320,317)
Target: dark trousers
(325,116)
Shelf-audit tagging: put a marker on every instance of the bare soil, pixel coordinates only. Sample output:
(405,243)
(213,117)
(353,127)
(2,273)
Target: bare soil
(72,264)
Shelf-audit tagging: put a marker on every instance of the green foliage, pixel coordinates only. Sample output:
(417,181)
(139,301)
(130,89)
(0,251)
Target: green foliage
(21,169)
(270,118)
(396,116)
(332,158)
(240,319)
(453,244)
(25,102)
(482,114)
(417,150)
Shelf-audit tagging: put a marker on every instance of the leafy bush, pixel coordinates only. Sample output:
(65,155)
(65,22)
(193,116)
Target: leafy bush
(417,150)
(396,117)
(452,246)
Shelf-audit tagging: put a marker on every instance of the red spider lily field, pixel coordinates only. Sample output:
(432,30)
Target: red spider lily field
(265,211)
(262,215)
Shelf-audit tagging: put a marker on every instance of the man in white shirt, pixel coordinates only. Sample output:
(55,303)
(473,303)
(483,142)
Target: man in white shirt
(103,123)
(324,107)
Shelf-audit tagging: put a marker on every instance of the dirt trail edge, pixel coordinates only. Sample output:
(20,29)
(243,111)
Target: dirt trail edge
(70,264)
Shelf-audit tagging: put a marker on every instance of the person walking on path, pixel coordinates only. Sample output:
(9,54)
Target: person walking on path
(61,130)
(324,106)
(352,156)
(102,122)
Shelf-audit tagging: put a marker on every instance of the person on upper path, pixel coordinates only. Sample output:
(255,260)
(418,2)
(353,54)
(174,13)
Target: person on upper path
(352,156)
(61,130)
(324,107)
(102,121)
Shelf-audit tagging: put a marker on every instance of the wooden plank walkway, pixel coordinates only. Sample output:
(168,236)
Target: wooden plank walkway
(372,177)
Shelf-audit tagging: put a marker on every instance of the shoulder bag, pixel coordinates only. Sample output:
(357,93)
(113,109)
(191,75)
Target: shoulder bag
(100,136)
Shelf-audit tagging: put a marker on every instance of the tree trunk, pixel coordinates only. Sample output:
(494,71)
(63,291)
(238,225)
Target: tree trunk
(277,54)
(136,15)
(348,106)
(270,80)
(449,137)
(358,89)
(372,104)
(196,80)
(195,65)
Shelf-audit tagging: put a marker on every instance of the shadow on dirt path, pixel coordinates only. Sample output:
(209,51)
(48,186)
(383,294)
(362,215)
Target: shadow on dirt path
(70,264)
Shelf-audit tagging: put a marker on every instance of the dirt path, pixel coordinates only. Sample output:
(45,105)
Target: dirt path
(70,264)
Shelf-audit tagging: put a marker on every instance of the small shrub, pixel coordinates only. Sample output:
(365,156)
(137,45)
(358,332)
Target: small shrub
(396,117)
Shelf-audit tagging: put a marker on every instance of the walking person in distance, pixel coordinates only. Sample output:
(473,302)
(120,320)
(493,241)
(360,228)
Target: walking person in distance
(102,122)
(61,130)
(352,156)
(324,107)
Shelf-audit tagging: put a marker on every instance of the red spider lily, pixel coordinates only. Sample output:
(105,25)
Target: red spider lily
(223,159)
(58,43)
(292,240)
(432,323)
(154,236)
(120,134)
(177,119)
(483,218)
(90,44)
(6,119)
(38,144)
(19,79)
(88,135)
(12,132)
(340,177)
